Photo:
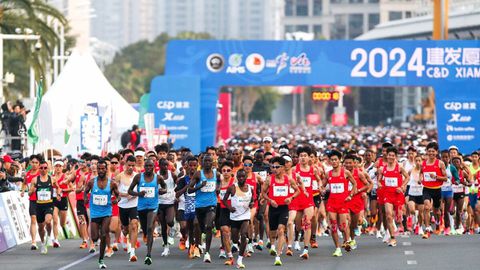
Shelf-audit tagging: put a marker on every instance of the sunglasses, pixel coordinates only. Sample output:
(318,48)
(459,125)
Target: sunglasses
(43,168)
(275,166)
(227,170)
(114,162)
(247,164)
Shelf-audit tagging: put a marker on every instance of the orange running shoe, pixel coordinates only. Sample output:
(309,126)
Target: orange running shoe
(181,244)
(313,244)
(145,240)
(289,252)
(137,245)
(84,245)
(229,261)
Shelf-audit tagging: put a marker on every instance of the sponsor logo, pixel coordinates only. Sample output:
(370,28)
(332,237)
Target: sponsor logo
(215,62)
(255,63)
(170,116)
(234,64)
(300,64)
(457,117)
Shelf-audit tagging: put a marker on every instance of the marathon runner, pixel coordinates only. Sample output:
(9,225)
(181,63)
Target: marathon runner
(145,186)
(166,209)
(223,219)
(241,199)
(29,176)
(43,186)
(60,206)
(275,191)
(101,189)
(205,185)
(415,198)
(128,208)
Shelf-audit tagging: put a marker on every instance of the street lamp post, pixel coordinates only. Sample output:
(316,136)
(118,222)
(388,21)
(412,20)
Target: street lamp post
(11,37)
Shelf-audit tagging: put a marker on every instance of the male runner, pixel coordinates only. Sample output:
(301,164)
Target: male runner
(101,189)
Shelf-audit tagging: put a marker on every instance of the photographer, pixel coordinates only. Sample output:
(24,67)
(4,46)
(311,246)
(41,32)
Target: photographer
(7,172)
(17,124)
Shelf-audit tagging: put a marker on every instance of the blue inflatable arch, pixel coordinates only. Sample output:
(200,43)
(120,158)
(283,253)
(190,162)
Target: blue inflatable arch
(184,99)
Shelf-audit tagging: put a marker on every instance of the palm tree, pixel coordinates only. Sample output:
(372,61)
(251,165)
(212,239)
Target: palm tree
(38,16)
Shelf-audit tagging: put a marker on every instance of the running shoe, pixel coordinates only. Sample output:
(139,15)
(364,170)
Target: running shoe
(392,243)
(379,235)
(145,240)
(115,247)
(109,252)
(83,245)
(101,264)
(273,252)
(196,252)
(250,248)
(259,245)
(170,241)
(229,261)
(357,232)
(240,266)
(313,243)
(191,251)
(426,235)
(44,249)
(218,234)
(296,246)
(56,244)
(234,248)
(277,262)
(304,254)
(353,244)
(166,251)
(289,252)
(206,258)
(181,244)
(148,260)
(92,248)
(133,257)
(347,246)
(222,254)
(337,253)
(447,231)
(34,246)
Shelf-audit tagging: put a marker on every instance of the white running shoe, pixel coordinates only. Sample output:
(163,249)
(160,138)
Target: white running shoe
(166,251)
(379,235)
(250,248)
(206,258)
(296,246)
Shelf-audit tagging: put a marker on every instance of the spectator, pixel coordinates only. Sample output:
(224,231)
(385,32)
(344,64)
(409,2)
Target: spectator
(16,124)
(134,137)
(7,174)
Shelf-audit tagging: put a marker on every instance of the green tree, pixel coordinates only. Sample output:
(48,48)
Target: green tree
(36,15)
(266,103)
(134,66)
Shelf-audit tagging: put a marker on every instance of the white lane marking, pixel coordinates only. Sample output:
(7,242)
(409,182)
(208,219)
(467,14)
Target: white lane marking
(411,262)
(409,252)
(407,243)
(78,261)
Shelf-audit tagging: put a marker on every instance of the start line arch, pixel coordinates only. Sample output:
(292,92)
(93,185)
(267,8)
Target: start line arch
(184,99)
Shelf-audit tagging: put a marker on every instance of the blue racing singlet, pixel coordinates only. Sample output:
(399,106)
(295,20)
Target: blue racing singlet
(206,196)
(100,200)
(150,200)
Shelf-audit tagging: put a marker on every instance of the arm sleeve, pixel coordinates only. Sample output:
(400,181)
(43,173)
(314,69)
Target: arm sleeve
(453,170)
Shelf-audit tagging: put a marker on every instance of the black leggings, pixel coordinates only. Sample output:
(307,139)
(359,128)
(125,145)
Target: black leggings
(166,215)
(147,219)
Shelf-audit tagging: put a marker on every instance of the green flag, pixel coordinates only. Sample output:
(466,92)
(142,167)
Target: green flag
(32,132)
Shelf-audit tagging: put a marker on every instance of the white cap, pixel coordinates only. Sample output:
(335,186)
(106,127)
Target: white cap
(139,153)
(267,139)
(453,147)
(287,158)
(58,162)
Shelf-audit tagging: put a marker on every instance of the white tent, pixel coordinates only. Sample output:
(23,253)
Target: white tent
(80,83)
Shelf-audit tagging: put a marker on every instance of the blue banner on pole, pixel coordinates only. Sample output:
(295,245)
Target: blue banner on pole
(175,102)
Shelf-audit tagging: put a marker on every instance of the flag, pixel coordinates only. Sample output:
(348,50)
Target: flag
(68,126)
(32,132)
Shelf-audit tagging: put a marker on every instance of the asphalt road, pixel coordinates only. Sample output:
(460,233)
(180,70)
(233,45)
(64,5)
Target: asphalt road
(412,252)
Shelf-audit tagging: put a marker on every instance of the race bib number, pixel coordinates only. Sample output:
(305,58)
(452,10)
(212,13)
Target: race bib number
(337,188)
(315,185)
(149,192)
(307,181)
(100,199)
(263,175)
(415,190)
(428,176)
(391,181)
(280,191)
(222,193)
(209,187)
(44,195)
(168,195)
(457,188)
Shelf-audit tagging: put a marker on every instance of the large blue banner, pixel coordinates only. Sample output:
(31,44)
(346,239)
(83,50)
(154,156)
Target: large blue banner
(452,68)
(175,102)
